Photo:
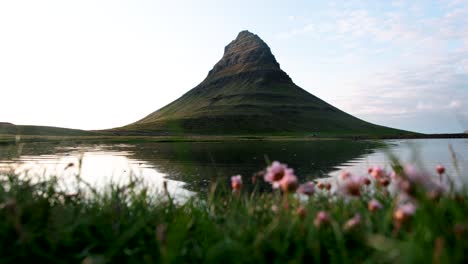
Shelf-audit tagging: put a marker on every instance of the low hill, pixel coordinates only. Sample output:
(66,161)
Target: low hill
(246,92)
(11,129)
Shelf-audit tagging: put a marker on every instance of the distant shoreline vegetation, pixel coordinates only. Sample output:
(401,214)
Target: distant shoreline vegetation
(14,138)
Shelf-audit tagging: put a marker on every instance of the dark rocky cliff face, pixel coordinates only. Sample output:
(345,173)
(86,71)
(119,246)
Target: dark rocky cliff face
(248,53)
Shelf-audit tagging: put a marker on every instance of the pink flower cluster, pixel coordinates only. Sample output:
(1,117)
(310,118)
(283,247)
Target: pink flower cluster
(283,178)
(353,184)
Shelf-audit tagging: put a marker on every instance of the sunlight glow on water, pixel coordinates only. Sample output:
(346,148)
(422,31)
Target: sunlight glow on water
(423,153)
(186,171)
(98,168)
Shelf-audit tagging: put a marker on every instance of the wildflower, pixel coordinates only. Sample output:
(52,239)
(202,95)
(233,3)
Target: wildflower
(274,208)
(377,172)
(404,212)
(413,175)
(384,181)
(353,222)
(440,169)
(366,181)
(276,172)
(307,188)
(434,194)
(236,182)
(321,219)
(289,182)
(420,178)
(345,175)
(320,185)
(301,212)
(374,205)
(353,185)
(406,186)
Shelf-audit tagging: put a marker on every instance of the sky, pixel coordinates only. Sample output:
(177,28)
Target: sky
(102,64)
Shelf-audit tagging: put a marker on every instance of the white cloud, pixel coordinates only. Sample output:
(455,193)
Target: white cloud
(454,104)
(424,106)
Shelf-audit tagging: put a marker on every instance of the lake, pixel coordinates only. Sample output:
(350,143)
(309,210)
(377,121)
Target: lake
(189,167)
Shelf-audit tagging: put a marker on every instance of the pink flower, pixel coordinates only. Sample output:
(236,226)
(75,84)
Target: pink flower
(301,212)
(374,205)
(307,188)
(289,181)
(324,185)
(377,172)
(366,181)
(352,185)
(321,219)
(353,222)
(440,169)
(404,212)
(236,182)
(384,181)
(275,173)
(416,177)
(345,175)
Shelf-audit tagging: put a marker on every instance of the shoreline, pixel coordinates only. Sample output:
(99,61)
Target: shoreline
(13,139)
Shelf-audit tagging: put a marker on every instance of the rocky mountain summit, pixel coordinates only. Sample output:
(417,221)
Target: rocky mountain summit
(247,53)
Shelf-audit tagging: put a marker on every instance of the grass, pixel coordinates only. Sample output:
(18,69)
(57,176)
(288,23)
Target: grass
(40,222)
(13,139)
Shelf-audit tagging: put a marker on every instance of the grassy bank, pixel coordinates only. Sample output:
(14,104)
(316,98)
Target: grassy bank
(12,139)
(41,223)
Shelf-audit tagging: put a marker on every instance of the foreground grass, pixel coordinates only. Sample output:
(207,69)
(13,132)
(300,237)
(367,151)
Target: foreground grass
(40,223)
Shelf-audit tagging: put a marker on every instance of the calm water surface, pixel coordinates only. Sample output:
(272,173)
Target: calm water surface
(190,167)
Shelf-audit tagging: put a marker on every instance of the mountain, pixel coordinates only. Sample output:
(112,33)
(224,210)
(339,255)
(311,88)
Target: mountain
(246,92)
(12,129)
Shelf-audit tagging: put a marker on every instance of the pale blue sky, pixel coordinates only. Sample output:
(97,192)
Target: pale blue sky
(100,64)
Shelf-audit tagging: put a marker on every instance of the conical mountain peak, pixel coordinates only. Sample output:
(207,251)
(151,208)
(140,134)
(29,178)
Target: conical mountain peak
(246,92)
(247,53)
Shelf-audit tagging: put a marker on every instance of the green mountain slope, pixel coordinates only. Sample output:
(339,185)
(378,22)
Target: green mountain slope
(246,92)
